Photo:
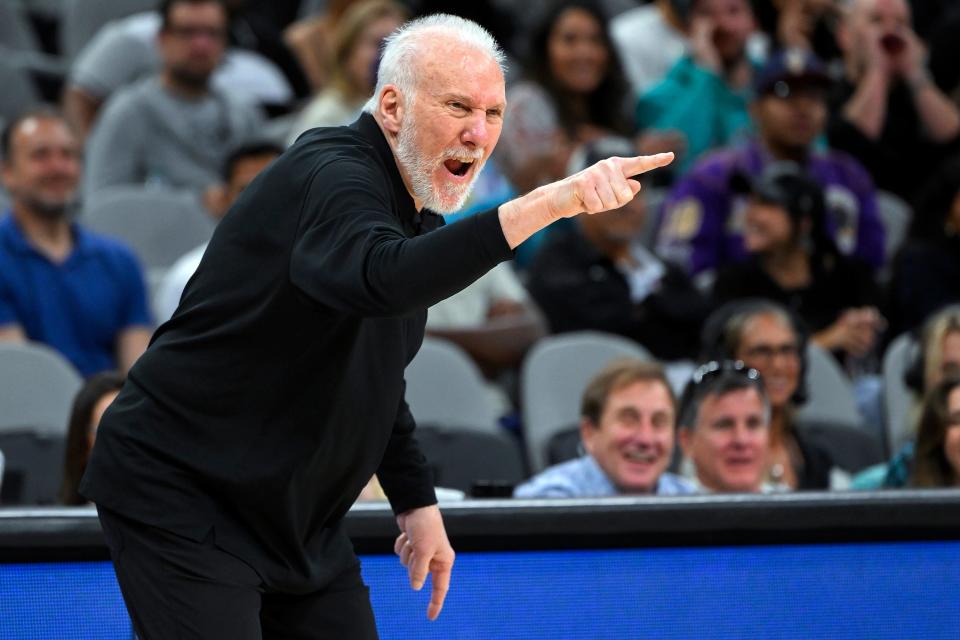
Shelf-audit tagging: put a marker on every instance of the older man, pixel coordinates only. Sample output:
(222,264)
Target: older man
(75,291)
(276,391)
(725,429)
(628,413)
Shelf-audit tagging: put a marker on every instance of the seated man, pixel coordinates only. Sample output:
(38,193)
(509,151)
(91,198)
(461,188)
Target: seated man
(79,293)
(256,64)
(596,275)
(173,129)
(701,226)
(628,413)
(725,429)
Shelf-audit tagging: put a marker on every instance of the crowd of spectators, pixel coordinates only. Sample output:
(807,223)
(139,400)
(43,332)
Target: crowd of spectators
(815,201)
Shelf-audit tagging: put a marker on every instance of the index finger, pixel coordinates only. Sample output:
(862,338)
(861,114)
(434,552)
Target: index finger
(642,164)
(441,583)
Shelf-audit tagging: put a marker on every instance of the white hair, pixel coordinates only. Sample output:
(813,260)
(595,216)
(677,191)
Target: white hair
(398,64)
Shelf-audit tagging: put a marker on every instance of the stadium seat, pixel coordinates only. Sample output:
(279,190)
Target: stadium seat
(160,226)
(895,214)
(81,19)
(470,460)
(830,396)
(851,448)
(18,92)
(37,387)
(445,387)
(553,377)
(897,397)
(15,31)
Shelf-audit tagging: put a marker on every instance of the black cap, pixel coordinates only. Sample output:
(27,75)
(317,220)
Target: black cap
(788,68)
(784,184)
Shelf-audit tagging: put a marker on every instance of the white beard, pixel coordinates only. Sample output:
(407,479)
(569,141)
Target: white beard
(449,197)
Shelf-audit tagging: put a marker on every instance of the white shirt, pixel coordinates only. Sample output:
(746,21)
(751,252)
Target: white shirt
(648,46)
(167,298)
(468,308)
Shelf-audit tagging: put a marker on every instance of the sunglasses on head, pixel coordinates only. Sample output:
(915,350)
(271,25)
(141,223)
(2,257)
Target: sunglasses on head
(715,368)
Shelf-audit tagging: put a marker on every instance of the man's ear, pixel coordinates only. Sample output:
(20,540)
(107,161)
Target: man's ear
(391,108)
(685,438)
(588,430)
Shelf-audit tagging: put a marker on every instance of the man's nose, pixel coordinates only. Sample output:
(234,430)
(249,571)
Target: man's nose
(476,133)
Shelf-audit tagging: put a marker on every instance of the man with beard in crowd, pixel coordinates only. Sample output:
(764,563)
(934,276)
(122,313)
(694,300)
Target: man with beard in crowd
(173,129)
(223,470)
(73,290)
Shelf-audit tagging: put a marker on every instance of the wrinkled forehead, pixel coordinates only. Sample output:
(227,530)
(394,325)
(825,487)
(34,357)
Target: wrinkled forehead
(767,327)
(449,66)
(41,130)
(867,9)
(733,403)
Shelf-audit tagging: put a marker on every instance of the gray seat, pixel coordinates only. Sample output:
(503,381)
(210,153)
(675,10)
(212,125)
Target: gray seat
(851,449)
(160,226)
(830,396)
(472,461)
(553,378)
(445,387)
(37,387)
(896,215)
(897,397)
(15,31)
(81,19)
(18,93)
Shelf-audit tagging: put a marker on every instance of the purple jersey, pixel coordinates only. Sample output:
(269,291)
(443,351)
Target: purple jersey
(701,222)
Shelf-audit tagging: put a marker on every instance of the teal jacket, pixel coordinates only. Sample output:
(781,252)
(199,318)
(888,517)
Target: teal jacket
(698,103)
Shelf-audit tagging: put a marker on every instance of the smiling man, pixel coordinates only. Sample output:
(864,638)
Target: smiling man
(725,428)
(628,414)
(223,470)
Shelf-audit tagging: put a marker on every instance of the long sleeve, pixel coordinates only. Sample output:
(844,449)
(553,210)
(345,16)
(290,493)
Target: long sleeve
(404,474)
(356,258)
(113,149)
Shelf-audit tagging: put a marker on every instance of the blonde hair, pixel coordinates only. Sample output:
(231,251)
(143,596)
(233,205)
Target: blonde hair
(349,29)
(941,324)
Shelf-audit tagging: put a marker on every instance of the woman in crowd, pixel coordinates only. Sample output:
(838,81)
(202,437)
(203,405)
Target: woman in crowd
(573,91)
(933,460)
(937,462)
(936,356)
(794,261)
(88,406)
(356,49)
(764,336)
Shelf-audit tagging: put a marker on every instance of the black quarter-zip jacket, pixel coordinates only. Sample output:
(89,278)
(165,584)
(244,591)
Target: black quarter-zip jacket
(263,406)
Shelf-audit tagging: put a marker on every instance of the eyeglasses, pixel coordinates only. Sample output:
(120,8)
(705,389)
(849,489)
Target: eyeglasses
(714,369)
(184,32)
(768,352)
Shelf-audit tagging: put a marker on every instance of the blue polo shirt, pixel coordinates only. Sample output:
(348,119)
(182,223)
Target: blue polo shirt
(78,306)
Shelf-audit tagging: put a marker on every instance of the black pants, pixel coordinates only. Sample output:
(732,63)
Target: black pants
(177,588)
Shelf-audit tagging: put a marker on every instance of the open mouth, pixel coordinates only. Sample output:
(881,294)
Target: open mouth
(458,168)
(641,458)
